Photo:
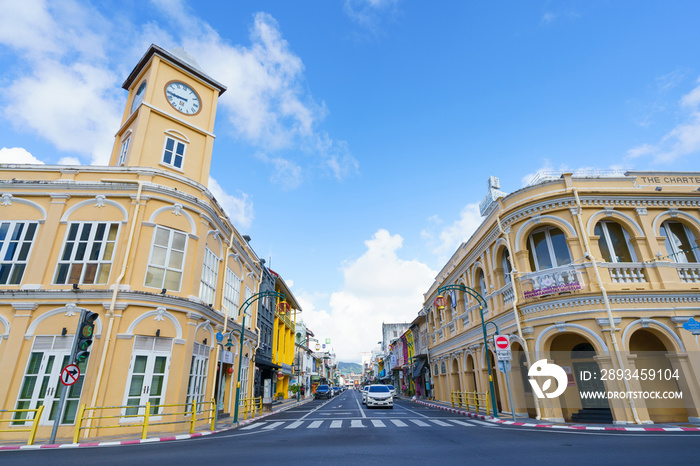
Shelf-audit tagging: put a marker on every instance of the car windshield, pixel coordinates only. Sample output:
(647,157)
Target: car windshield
(379,389)
(391,387)
(322,387)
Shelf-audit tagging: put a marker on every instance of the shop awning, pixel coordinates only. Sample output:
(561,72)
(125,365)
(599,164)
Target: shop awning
(419,368)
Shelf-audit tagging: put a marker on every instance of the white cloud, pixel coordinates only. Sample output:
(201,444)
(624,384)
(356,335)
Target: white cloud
(446,241)
(378,287)
(682,140)
(69,161)
(370,13)
(239,209)
(17,155)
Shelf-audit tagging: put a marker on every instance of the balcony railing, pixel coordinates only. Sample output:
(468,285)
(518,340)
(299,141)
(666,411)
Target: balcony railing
(689,273)
(625,272)
(551,281)
(507,292)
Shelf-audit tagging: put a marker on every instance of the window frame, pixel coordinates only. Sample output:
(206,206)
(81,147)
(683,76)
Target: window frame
(166,261)
(675,251)
(173,152)
(210,276)
(13,264)
(86,261)
(550,248)
(606,236)
(197,382)
(123,151)
(232,291)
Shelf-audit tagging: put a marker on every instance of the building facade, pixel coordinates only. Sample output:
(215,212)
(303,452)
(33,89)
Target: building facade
(142,243)
(597,273)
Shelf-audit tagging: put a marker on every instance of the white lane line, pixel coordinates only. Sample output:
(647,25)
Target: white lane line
(410,410)
(273,425)
(356,423)
(336,424)
(398,423)
(419,423)
(314,425)
(441,423)
(253,426)
(378,423)
(482,423)
(359,406)
(294,425)
(462,423)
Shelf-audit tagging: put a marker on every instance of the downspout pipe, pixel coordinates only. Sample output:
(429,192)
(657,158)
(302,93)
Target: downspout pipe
(115,292)
(606,300)
(516,313)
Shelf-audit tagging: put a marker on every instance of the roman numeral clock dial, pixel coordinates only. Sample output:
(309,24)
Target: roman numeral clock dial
(183,98)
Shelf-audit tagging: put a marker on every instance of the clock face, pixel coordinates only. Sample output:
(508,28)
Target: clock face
(138,97)
(183,98)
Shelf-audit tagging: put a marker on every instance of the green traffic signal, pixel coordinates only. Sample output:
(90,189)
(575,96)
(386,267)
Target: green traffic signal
(86,331)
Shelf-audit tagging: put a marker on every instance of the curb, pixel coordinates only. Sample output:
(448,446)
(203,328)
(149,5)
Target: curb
(166,438)
(496,420)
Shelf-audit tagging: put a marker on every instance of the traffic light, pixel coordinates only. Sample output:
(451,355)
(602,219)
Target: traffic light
(86,331)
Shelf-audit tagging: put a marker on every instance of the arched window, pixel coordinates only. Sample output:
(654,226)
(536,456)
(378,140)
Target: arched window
(481,283)
(548,248)
(614,242)
(505,262)
(680,242)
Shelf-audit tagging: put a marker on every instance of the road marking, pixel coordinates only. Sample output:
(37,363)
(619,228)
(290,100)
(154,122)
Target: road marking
(336,424)
(462,423)
(356,423)
(314,425)
(273,425)
(440,423)
(482,423)
(294,425)
(359,406)
(411,411)
(398,423)
(253,426)
(378,423)
(419,423)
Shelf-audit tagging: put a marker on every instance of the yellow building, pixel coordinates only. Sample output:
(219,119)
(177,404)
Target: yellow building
(141,242)
(283,337)
(596,274)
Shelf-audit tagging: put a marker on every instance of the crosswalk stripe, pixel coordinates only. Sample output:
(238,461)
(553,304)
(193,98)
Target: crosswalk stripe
(377,423)
(440,423)
(336,424)
(253,426)
(314,425)
(274,425)
(294,425)
(419,423)
(356,423)
(462,423)
(398,423)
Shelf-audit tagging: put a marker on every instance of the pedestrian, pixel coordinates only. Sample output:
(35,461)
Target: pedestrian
(302,391)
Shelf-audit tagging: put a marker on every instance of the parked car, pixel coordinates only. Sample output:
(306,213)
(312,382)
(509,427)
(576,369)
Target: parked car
(364,393)
(336,390)
(322,391)
(392,390)
(379,395)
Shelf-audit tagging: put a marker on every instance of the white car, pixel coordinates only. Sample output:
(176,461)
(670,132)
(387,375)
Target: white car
(364,393)
(379,395)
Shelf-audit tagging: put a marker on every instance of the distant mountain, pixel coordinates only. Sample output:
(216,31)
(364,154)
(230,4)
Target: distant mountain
(349,368)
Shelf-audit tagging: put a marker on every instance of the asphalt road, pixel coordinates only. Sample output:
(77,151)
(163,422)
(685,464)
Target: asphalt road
(342,431)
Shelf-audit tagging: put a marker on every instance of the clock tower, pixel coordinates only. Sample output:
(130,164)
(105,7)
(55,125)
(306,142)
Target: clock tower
(168,121)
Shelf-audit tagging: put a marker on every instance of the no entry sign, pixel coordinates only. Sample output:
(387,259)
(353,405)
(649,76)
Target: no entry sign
(502,342)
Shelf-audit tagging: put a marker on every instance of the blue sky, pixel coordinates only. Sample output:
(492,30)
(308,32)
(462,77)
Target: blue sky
(356,136)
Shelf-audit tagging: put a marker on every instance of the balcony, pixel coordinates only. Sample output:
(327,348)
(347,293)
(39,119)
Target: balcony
(625,272)
(551,281)
(689,273)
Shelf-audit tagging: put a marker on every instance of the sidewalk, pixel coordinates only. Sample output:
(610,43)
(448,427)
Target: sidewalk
(506,419)
(223,425)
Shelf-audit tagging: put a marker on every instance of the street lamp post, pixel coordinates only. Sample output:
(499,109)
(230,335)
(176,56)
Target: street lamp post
(482,307)
(243,308)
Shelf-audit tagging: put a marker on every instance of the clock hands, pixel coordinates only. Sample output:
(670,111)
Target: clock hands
(175,95)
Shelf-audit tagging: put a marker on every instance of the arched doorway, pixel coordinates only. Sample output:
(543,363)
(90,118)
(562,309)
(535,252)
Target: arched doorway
(651,352)
(456,386)
(470,382)
(575,354)
(494,373)
(522,390)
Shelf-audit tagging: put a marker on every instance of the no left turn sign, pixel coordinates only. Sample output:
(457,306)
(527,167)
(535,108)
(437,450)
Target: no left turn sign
(70,374)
